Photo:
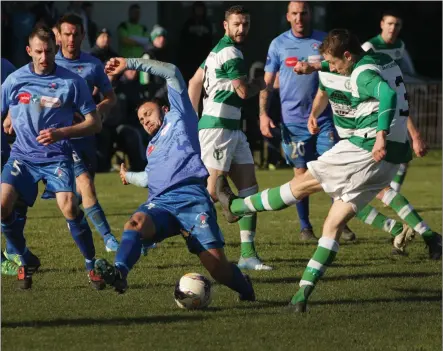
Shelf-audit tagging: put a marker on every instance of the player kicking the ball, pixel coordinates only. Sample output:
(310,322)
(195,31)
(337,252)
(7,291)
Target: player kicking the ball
(178,201)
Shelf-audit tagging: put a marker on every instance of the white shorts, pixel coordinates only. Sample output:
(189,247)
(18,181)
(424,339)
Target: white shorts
(349,173)
(222,147)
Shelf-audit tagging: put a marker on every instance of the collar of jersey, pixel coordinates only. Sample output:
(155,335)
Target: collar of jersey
(228,40)
(60,54)
(31,69)
(291,34)
(379,37)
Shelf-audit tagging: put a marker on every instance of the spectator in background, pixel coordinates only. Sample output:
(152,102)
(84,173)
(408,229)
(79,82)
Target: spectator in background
(196,38)
(155,85)
(102,48)
(87,8)
(22,23)
(46,12)
(133,37)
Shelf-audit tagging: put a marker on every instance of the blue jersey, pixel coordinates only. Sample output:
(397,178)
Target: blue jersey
(92,71)
(39,102)
(7,68)
(174,152)
(297,92)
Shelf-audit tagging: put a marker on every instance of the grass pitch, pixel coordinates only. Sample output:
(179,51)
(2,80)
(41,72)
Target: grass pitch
(367,300)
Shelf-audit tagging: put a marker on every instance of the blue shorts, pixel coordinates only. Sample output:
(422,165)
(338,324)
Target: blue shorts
(301,147)
(85,159)
(25,175)
(189,211)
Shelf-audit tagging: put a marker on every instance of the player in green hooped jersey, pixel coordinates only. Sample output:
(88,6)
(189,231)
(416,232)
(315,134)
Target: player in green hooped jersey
(336,89)
(356,169)
(389,43)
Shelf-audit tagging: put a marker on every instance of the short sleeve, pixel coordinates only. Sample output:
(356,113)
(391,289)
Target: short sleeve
(367,81)
(202,66)
(273,59)
(233,63)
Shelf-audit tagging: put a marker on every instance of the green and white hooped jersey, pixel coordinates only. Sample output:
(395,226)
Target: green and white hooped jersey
(221,104)
(367,107)
(338,88)
(396,50)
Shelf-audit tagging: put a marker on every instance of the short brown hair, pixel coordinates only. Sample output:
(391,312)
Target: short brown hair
(236,10)
(338,41)
(43,33)
(71,19)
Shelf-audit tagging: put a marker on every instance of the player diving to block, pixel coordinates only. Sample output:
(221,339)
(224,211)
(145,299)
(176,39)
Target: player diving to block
(175,176)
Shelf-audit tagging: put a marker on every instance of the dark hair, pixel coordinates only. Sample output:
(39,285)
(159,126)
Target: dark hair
(236,10)
(134,7)
(160,102)
(43,33)
(391,13)
(338,41)
(71,19)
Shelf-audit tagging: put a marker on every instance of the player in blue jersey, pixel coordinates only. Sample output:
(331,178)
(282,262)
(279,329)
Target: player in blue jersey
(297,93)
(40,98)
(176,178)
(71,35)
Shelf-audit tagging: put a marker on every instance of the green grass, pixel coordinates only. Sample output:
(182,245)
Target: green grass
(366,301)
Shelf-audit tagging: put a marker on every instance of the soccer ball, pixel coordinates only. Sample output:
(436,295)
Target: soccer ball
(193,291)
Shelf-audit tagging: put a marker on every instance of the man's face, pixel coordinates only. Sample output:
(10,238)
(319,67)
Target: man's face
(160,42)
(341,65)
(71,37)
(42,54)
(390,27)
(103,40)
(237,27)
(150,116)
(134,15)
(299,16)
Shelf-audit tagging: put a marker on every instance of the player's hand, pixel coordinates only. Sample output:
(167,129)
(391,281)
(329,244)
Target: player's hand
(379,149)
(49,136)
(303,68)
(312,125)
(265,126)
(419,146)
(123,171)
(115,66)
(7,125)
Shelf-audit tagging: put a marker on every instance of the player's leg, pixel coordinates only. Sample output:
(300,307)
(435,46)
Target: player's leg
(408,214)
(242,173)
(84,169)
(299,148)
(339,214)
(399,178)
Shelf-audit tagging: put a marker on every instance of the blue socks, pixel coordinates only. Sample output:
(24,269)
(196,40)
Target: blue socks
(12,229)
(129,251)
(303,213)
(82,235)
(239,282)
(97,217)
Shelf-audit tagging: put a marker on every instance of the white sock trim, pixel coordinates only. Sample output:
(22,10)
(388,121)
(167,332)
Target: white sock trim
(316,265)
(389,196)
(389,224)
(265,200)
(248,191)
(286,194)
(371,216)
(305,282)
(395,186)
(247,236)
(249,204)
(421,227)
(329,244)
(405,210)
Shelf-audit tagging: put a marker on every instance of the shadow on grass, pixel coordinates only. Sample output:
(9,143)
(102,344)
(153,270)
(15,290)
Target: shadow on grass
(101,321)
(428,209)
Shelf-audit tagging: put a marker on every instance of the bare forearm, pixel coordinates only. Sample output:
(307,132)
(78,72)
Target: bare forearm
(246,90)
(264,100)
(106,105)
(412,129)
(89,126)
(319,104)
(194,92)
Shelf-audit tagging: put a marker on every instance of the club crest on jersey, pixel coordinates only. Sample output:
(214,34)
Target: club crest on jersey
(24,98)
(202,219)
(291,61)
(79,69)
(348,84)
(315,46)
(218,154)
(52,86)
(150,149)
(165,129)
(59,172)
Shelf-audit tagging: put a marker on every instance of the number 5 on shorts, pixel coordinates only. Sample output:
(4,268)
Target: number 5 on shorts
(17,171)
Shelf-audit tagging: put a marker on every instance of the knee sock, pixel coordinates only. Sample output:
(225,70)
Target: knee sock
(239,283)
(399,178)
(371,216)
(97,217)
(82,235)
(247,226)
(303,213)
(129,251)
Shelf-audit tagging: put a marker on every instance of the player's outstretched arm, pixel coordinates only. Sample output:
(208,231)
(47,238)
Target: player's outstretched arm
(418,144)
(319,104)
(136,178)
(195,88)
(308,68)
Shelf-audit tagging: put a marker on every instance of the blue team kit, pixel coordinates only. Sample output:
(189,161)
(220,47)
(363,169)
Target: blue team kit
(297,92)
(38,102)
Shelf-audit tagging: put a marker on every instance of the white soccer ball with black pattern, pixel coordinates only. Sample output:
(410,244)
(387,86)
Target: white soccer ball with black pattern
(193,291)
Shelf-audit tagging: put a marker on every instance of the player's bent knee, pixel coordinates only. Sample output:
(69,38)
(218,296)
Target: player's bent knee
(143,224)
(382,193)
(67,202)
(6,210)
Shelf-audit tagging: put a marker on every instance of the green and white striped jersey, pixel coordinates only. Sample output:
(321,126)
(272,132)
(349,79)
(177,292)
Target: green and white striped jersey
(221,104)
(367,107)
(338,88)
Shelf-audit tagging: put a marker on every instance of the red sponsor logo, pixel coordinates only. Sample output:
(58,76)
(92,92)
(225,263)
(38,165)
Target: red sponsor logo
(24,98)
(291,61)
(150,149)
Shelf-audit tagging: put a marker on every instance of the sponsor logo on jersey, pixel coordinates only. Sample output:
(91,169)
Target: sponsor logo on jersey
(24,98)
(202,219)
(315,46)
(35,99)
(150,205)
(165,129)
(150,149)
(52,102)
(314,58)
(291,61)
